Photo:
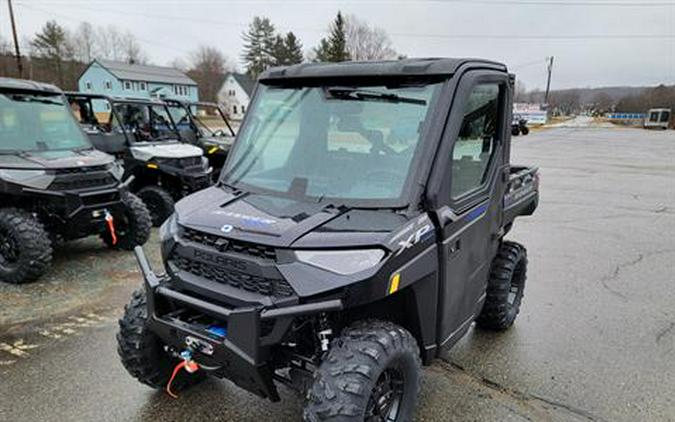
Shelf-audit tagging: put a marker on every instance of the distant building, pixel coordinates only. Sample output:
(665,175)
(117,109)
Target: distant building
(535,114)
(235,94)
(134,80)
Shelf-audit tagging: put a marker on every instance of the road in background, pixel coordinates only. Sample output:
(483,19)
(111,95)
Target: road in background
(595,340)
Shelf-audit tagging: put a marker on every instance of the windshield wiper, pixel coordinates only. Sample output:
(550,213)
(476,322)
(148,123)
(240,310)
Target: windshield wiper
(357,94)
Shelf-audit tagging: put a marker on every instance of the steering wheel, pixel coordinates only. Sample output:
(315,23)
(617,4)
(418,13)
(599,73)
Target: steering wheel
(379,146)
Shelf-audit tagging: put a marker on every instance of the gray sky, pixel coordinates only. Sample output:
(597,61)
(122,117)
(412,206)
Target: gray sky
(602,44)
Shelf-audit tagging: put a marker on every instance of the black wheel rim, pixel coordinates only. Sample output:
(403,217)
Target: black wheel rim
(517,287)
(9,249)
(385,400)
(154,206)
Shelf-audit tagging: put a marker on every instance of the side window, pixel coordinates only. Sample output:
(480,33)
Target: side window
(477,139)
(665,116)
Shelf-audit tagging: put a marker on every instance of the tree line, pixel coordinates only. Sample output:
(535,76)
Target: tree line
(600,100)
(349,38)
(58,55)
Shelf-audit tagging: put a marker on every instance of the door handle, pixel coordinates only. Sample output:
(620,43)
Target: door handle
(454,248)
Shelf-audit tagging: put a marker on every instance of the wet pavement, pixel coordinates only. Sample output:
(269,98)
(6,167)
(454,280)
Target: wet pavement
(595,340)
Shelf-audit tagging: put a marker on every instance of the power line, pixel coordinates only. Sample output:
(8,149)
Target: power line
(403,34)
(562,3)
(576,3)
(75,19)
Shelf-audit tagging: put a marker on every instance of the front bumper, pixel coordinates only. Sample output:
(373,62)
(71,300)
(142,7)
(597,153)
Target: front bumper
(243,354)
(80,213)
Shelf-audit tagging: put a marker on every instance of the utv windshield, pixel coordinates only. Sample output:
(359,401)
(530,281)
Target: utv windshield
(146,122)
(38,122)
(206,119)
(340,143)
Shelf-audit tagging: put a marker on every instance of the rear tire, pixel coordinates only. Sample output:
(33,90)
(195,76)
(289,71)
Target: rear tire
(515,131)
(505,288)
(159,202)
(25,248)
(371,373)
(142,352)
(134,228)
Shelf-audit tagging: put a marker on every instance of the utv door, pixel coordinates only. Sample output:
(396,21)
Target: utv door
(470,204)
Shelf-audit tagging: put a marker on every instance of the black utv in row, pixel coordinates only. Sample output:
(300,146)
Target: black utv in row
(357,231)
(205,125)
(143,136)
(54,186)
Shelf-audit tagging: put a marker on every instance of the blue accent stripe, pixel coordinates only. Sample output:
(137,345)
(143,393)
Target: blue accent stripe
(476,212)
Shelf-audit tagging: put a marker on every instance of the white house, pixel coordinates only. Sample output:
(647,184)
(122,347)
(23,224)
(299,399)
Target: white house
(235,94)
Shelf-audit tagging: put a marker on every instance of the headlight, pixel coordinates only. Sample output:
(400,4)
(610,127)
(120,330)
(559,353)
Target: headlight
(36,179)
(342,262)
(168,229)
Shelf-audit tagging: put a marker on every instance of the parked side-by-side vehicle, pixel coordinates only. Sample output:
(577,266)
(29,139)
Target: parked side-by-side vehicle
(54,186)
(142,135)
(205,125)
(357,230)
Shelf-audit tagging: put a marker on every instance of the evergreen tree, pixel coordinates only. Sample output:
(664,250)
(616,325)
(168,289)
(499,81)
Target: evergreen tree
(334,48)
(293,49)
(287,50)
(259,43)
(53,45)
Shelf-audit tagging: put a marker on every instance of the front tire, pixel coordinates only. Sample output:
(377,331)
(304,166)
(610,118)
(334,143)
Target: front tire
(133,229)
(142,352)
(505,288)
(25,248)
(159,202)
(371,373)
(524,130)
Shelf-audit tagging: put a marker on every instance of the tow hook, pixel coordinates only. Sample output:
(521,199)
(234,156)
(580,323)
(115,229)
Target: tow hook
(110,221)
(188,364)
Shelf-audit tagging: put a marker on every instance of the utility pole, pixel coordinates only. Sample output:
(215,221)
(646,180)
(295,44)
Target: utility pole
(548,81)
(19,64)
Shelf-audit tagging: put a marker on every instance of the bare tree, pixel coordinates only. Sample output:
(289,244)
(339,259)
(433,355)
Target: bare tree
(113,44)
(208,66)
(132,51)
(5,47)
(520,95)
(84,42)
(366,42)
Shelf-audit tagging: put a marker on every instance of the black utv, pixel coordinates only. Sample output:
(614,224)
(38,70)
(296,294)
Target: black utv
(205,125)
(357,231)
(54,186)
(143,136)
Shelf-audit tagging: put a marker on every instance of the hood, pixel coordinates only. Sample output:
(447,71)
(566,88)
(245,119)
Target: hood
(46,160)
(221,141)
(284,222)
(165,150)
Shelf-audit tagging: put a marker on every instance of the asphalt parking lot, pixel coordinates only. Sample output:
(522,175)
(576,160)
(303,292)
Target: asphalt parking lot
(595,340)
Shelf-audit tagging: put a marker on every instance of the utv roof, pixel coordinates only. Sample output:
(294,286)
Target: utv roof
(27,86)
(113,98)
(387,68)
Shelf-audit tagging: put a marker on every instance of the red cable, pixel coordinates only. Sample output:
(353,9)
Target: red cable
(111,227)
(190,367)
(175,372)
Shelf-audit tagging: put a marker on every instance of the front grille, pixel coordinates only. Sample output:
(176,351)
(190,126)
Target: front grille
(82,181)
(251,283)
(80,170)
(104,198)
(222,244)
